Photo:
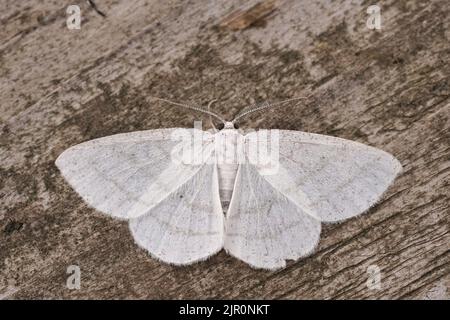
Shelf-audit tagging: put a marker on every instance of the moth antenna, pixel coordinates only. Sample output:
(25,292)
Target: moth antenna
(210,117)
(266,105)
(200,109)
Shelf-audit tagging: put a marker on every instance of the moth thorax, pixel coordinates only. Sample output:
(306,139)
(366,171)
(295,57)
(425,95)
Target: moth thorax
(229,147)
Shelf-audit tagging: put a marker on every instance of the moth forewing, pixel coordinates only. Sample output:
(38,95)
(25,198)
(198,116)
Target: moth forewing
(182,152)
(197,144)
(262,150)
(190,149)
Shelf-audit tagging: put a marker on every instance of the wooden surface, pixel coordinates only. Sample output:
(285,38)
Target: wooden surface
(59,87)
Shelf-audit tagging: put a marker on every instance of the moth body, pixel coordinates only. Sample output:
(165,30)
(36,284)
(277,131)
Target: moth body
(229,153)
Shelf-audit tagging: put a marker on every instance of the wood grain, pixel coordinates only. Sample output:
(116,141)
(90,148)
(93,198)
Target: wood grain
(388,88)
(245,17)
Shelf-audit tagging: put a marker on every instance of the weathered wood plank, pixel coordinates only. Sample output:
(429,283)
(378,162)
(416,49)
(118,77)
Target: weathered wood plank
(387,88)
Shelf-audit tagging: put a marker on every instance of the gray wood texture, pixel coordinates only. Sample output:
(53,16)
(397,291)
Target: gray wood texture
(388,88)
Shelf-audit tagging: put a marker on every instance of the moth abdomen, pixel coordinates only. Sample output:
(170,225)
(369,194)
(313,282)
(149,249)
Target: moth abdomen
(227,176)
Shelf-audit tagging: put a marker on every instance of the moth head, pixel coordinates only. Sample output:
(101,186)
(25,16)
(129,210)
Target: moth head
(228,125)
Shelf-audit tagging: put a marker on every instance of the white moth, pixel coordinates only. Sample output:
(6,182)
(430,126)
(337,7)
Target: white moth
(183,209)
